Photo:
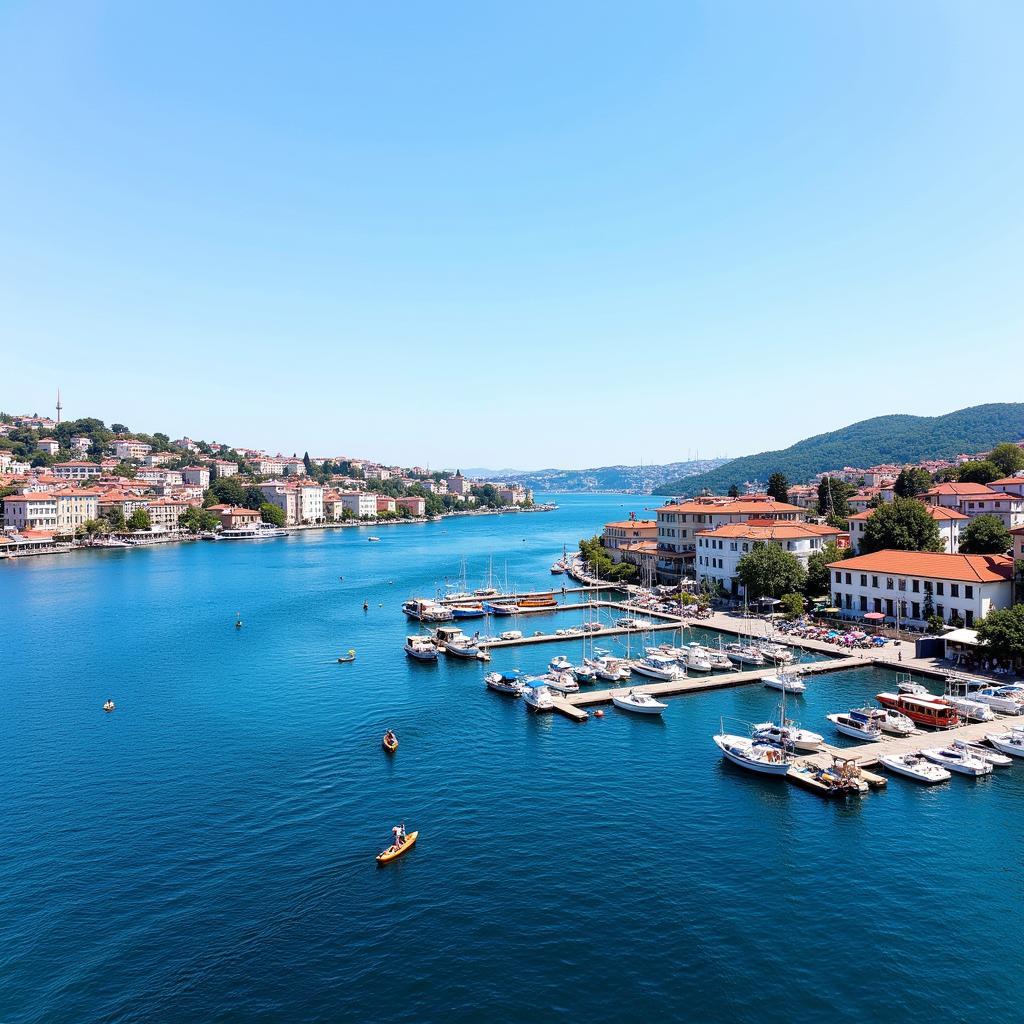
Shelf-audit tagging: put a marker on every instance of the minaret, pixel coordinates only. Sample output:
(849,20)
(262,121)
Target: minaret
(59,406)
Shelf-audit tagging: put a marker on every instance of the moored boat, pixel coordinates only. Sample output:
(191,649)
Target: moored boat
(696,659)
(994,757)
(744,654)
(538,696)
(785,681)
(610,669)
(1008,700)
(426,610)
(658,666)
(1010,743)
(960,761)
(638,702)
(914,765)
(560,663)
(472,610)
(505,682)
(788,735)
(856,724)
(920,710)
(765,758)
(584,673)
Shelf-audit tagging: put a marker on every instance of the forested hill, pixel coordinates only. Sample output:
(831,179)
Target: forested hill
(870,442)
(630,479)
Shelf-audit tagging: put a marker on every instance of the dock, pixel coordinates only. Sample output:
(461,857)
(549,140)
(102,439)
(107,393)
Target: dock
(512,598)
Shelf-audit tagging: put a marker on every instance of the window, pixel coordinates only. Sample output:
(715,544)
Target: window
(915,586)
(888,583)
(839,577)
(927,586)
(746,546)
(874,582)
(903,585)
(863,603)
(969,617)
(849,579)
(916,610)
(940,611)
(968,592)
(939,588)
(863,580)
(954,590)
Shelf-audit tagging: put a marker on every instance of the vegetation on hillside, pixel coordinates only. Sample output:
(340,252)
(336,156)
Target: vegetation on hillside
(601,564)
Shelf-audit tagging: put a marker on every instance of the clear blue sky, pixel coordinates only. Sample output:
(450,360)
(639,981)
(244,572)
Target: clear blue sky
(366,228)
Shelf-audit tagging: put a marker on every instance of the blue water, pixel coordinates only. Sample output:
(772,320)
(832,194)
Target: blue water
(205,853)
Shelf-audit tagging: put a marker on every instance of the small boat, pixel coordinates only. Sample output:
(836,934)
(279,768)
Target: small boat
(658,666)
(373,540)
(959,761)
(557,569)
(1011,743)
(915,766)
(468,611)
(787,735)
(109,706)
(505,682)
(420,647)
(889,721)
(640,703)
(1008,700)
(720,661)
(994,757)
(584,674)
(785,681)
(396,851)
(560,663)
(920,710)
(456,643)
(913,688)
(611,670)
(842,776)
(343,658)
(696,659)
(538,695)
(562,682)
(744,654)
(512,634)
(389,741)
(500,609)
(778,653)
(537,602)
(426,610)
(765,758)
(856,724)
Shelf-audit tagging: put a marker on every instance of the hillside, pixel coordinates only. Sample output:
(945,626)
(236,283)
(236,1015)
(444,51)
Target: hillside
(870,442)
(632,479)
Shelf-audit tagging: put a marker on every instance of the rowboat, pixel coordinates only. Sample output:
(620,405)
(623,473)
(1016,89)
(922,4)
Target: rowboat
(392,852)
(390,745)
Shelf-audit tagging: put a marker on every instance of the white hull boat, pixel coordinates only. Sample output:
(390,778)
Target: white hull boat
(857,725)
(584,674)
(970,710)
(787,736)
(658,666)
(777,653)
(741,655)
(785,682)
(889,721)
(639,703)
(611,670)
(560,664)
(539,697)
(756,757)
(994,757)
(958,761)
(563,682)
(501,683)
(696,659)
(1004,699)
(420,648)
(914,766)
(1010,743)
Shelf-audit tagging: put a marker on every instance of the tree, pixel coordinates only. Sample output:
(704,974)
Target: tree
(778,488)
(792,605)
(226,490)
(768,571)
(1008,458)
(272,514)
(119,428)
(904,524)
(125,469)
(253,498)
(819,575)
(911,482)
(985,535)
(115,519)
(1002,633)
(308,463)
(196,520)
(833,495)
(978,472)
(734,490)
(139,520)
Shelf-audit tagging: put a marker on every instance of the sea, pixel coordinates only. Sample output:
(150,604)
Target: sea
(206,852)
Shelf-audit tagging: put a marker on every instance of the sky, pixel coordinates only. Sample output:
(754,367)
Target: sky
(518,235)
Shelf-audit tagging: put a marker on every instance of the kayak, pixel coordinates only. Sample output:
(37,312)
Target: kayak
(389,747)
(392,851)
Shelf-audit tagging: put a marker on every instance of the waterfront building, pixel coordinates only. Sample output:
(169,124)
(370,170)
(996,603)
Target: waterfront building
(198,475)
(628,531)
(277,492)
(124,502)
(385,503)
(913,585)
(360,503)
(948,520)
(129,448)
(310,502)
(412,506)
(76,470)
(48,446)
(32,511)
(164,513)
(233,518)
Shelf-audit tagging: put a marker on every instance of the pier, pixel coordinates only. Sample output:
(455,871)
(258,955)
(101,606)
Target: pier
(553,591)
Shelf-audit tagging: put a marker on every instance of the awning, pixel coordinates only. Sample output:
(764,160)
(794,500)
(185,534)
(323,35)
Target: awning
(874,616)
(962,636)
(831,611)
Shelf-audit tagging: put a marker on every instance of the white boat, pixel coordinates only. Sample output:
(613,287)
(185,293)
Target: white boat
(658,666)
(560,664)
(959,761)
(584,674)
(512,634)
(261,531)
(455,642)
(538,695)
(696,659)
(787,736)
(505,682)
(640,703)
(765,758)
(994,757)
(914,766)
(1011,743)
(915,689)
(720,661)
(856,724)
(610,669)
(969,709)
(744,654)
(785,681)
(426,610)
(889,720)
(373,540)
(422,648)
(1006,699)
(563,682)
(778,653)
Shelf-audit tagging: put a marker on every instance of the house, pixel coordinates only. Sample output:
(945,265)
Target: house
(48,446)
(160,477)
(979,500)
(164,513)
(412,506)
(293,467)
(720,550)
(360,503)
(34,511)
(514,494)
(75,507)
(232,517)
(159,458)
(224,468)
(1009,485)
(385,503)
(310,502)
(948,520)
(459,485)
(9,464)
(120,501)
(911,586)
(129,448)
(628,531)
(267,466)
(81,444)
(1018,544)
(198,475)
(76,470)
(187,443)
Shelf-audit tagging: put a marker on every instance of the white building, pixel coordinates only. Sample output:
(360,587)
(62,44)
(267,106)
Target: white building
(979,500)
(310,502)
(948,520)
(224,468)
(9,464)
(129,448)
(198,475)
(360,503)
(48,445)
(75,470)
(81,444)
(267,466)
(903,584)
(36,511)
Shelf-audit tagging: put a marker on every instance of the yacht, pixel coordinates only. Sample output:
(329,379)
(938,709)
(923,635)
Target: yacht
(856,724)
(696,659)
(744,654)
(420,647)
(890,721)
(473,610)
(994,757)
(563,682)
(560,664)
(455,642)
(260,531)
(610,669)
(778,653)
(720,661)
(639,703)
(658,666)
(915,766)
(426,610)
(1010,743)
(1006,699)
(958,761)
(505,682)
(960,695)
(538,695)
(584,673)
(493,608)
(785,681)
(754,755)
(787,735)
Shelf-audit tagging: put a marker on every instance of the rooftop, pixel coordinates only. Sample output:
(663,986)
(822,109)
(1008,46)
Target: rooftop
(936,565)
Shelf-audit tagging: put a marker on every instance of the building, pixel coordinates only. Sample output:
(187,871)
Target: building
(385,503)
(293,467)
(75,470)
(628,531)
(412,506)
(459,485)
(1009,485)
(198,475)
(310,502)
(224,468)
(129,448)
(48,446)
(165,512)
(121,502)
(979,500)
(187,443)
(160,477)
(159,458)
(233,518)
(266,466)
(514,494)
(35,511)
(911,586)
(277,492)
(9,464)
(720,550)
(360,503)
(1018,544)
(948,520)
(75,507)
(81,444)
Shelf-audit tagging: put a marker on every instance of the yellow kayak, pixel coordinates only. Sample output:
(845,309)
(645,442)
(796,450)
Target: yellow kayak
(396,851)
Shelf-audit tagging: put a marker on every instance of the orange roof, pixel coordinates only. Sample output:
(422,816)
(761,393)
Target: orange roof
(937,512)
(960,489)
(776,531)
(1002,481)
(625,524)
(733,506)
(936,565)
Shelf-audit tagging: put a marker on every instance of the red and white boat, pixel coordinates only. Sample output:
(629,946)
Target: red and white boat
(921,710)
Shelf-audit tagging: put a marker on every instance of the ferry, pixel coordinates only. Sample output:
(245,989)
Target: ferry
(921,710)
(260,531)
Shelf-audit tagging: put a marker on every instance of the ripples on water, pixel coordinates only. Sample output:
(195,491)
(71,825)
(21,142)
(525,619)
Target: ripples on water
(206,852)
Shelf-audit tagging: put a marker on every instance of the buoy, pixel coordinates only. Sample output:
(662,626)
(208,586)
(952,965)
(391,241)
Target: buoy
(109,706)
(599,713)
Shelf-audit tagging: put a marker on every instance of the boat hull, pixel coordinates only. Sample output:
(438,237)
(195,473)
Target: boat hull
(624,704)
(1003,743)
(865,736)
(736,757)
(391,853)
(421,655)
(895,765)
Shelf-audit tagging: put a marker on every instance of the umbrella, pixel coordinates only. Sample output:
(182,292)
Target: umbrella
(874,616)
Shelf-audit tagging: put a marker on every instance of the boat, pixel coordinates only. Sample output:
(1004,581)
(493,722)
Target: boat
(491,608)
(658,666)
(1010,743)
(109,705)
(343,658)
(426,610)
(778,653)
(560,663)
(785,681)
(744,654)
(908,685)
(389,741)
(640,703)
(756,756)
(456,643)
(420,647)
(538,695)
(828,781)
(842,776)
(856,724)
(557,569)
(610,669)
(994,757)
(960,761)
(536,602)
(920,710)
(584,674)
(468,611)
(1007,700)
(968,709)
(695,659)
(373,540)
(915,766)
(720,661)
(788,735)
(261,531)
(563,682)
(889,721)
(396,851)
(511,634)
(505,682)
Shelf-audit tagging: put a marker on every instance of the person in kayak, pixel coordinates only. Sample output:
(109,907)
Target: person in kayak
(398,832)
(389,738)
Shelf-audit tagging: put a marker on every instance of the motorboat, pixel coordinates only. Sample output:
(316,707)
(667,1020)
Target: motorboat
(493,608)
(890,721)
(994,757)
(420,647)
(557,569)
(969,709)
(373,540)
(658,666)
(261,531)
(639,703)
(1007,700)
(473,610)
(785,681)
(610,669)
(956,760)
(560,663)
(916,689)
(787,735)
(921,710)
(108,705)
(856,724)
(1010,743)
(538,695)
(455,642)
(915,766)
(505,682)
(744,654)
(778,653)
(512,634)
(562,682)
(696,659)
(584,673)
(720,661)
(426,610)
(754,755)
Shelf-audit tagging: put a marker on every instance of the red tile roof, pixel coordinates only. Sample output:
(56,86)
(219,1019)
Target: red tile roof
(937,512)
(736,506)
(934,565)
(958,489)
(776,531)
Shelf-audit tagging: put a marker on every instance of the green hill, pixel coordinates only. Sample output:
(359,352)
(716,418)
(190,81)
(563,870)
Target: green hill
(868,443)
